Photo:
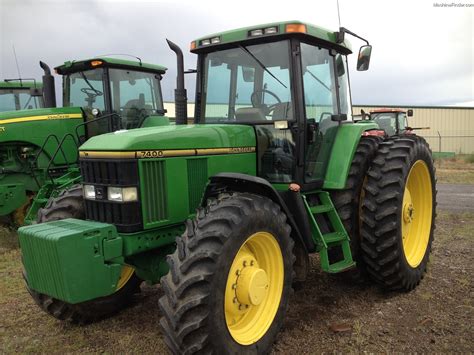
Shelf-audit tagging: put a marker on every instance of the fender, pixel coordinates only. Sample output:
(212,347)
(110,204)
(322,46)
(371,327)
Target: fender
(236,182)
(342,153)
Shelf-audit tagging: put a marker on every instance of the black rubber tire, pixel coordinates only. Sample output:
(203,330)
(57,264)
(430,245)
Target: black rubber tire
(347,201)
(69,204)
(381,237)
(193,303)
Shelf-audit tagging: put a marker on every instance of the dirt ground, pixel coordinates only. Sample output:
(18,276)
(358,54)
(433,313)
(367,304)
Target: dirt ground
(329,314)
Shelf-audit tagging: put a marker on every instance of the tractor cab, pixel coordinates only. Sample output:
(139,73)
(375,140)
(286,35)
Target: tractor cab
(19,94)
(113,94)
(289,81)
(392,120)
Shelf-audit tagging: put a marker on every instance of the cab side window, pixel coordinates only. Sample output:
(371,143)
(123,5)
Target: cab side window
(320,97)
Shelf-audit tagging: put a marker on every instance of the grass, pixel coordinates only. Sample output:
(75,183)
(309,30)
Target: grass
(456,170)
(469,158)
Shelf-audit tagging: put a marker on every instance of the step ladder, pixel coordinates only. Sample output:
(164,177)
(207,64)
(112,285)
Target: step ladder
(338,238)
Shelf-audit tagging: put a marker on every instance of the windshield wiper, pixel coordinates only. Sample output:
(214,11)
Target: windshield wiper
(261,65)
(319,81)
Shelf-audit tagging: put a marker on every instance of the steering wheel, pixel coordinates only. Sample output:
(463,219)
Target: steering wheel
(91,92)
(267,109)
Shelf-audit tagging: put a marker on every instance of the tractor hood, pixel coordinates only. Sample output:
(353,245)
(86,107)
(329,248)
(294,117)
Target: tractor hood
(172,138)
(33,126)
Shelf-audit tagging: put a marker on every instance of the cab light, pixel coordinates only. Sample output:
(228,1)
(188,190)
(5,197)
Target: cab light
(122,194)
(205,42)
(254,33)
(89,192)
(193,45)
(96,63)
(215,40)
(295,28)
(270,30)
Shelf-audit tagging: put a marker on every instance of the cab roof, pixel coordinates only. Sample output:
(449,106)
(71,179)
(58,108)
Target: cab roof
(283,29)
(99,62)
(20,84)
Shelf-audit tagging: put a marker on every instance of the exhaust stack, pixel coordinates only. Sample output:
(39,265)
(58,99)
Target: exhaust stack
(180,95)
(49,91)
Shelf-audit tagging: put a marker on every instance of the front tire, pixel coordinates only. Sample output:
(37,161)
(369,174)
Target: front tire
(399,210)
(230,278)
(69,204)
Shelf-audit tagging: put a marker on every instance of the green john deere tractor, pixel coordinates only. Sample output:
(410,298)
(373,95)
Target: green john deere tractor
(20,94)
(39,148)
(272,170)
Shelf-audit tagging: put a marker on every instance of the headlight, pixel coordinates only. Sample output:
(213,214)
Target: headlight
(89,192)
(122,194)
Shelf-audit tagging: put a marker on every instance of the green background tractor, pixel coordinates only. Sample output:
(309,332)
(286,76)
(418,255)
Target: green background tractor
(273,169)
(39,148)
(20,94)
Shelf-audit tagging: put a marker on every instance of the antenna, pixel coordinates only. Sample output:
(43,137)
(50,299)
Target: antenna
(16,61)
(338,13)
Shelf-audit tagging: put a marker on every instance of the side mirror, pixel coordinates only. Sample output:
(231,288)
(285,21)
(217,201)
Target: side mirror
(410,113)
(248,74)
(363,60)
(339,117)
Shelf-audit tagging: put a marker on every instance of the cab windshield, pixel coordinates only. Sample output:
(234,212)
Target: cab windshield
(133,95)
(19,99)
(85,89)
(388,121)
(247,84)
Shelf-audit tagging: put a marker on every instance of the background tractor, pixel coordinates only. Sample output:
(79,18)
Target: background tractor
(274,169)
(20,94)
(39,148)
(393,121)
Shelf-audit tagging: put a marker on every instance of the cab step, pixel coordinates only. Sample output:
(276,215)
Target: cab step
(338,238)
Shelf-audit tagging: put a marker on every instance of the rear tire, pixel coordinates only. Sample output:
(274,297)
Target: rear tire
(69,204)
(399,210)
(203,309)
(348,202)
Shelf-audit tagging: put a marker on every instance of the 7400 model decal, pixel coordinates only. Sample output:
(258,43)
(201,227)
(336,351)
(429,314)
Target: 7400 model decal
(165,153)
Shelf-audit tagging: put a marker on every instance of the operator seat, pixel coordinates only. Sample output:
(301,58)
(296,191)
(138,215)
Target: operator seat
(249,114)
(282,111)
(134,111)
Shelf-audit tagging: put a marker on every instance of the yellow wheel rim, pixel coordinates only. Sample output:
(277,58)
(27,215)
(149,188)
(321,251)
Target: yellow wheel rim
(254,288)
(417,212)
(125,275)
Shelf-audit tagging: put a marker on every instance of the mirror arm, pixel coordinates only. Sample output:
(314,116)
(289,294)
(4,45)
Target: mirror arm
(340,35)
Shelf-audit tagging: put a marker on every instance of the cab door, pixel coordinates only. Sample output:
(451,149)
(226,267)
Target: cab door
(320,104)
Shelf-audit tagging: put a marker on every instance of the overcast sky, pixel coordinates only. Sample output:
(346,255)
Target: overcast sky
(422,54)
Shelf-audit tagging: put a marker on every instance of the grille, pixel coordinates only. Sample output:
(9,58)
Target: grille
(116,173)
(197,178)
(126,216)
(155,205)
